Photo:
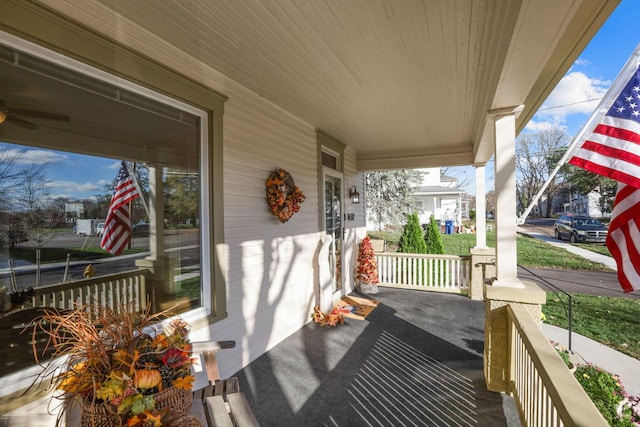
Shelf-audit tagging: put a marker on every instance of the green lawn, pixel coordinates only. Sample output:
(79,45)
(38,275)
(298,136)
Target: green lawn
(610,321)
(601,249)
(531,252)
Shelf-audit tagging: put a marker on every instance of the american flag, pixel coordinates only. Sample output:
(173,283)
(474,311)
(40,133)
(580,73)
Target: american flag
(612,149)
(117,227)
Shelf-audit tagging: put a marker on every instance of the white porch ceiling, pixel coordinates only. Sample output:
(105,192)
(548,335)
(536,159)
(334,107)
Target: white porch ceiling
(406,83)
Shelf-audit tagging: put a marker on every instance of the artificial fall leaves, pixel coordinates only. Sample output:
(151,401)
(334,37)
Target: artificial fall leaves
(123,365)
(367,267)
(334,318)
(283,196)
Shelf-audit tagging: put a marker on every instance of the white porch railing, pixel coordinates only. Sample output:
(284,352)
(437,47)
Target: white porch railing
(112,290)
(443,273)
(545,391)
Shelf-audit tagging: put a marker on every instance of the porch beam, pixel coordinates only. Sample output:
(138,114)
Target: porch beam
(460,155)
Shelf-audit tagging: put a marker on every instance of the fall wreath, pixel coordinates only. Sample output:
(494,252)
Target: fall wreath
(283,196)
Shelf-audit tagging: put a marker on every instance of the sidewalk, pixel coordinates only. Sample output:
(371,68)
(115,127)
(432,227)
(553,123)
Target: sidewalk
(600,355)
(593,256)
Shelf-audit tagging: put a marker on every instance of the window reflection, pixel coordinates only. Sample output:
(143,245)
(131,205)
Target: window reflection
(62,137)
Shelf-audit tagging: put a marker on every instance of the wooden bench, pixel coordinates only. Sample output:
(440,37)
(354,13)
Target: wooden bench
(224,404)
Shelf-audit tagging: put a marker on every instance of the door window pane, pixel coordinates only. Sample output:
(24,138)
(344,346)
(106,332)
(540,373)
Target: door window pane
(333,227)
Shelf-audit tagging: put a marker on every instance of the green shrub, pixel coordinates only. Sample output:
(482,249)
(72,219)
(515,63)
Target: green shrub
(411,240)
(433,238)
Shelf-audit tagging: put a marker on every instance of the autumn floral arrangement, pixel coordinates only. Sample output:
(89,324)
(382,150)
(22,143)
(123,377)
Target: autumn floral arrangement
(124,368)
(367,271)
(283,196)
(334,318)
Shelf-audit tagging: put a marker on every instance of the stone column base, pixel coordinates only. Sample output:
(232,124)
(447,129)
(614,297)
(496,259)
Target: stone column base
(496,329)
(162,285)
(483,266)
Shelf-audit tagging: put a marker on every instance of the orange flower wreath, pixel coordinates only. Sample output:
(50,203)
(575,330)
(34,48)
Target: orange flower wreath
(283,196)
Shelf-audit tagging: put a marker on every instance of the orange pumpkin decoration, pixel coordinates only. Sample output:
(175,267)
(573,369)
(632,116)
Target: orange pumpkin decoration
(147,378)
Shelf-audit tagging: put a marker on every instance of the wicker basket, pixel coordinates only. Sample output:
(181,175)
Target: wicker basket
(98,415)
(104,414)
(178,399)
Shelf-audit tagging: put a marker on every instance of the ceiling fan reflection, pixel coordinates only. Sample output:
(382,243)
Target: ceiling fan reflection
(14,115)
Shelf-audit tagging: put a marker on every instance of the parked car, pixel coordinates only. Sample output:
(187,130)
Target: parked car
(100,229)
(140,230)
(577,228)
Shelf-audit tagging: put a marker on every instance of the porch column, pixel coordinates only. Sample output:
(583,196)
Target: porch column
(481,207)
(156,213)
(506,214)
(482,257)
(507,288)
(161,266)
(459,216)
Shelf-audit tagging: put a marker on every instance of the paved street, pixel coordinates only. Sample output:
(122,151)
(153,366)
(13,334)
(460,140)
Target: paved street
(185,241)
(604,283)
(577,282)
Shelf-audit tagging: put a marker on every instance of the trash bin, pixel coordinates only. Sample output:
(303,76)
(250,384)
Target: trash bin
(448,227)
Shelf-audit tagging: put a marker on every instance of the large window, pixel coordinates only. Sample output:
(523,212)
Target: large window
(66,128)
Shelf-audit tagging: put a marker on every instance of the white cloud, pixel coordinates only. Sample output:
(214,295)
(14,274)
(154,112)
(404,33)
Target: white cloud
(581,62)
(576,93)
(74,187)
(538,125)
(32,156)
(70,196)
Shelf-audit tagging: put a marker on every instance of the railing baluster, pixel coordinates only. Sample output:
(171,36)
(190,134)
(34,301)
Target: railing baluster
(112,290)
(543,388)
(447,273)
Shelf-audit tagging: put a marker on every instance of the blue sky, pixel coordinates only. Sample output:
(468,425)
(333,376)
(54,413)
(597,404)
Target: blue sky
(593,72)
(70,175)
(77,177)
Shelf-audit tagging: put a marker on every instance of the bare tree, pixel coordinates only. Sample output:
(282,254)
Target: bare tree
(462,174)
(9,174)
(537,154)
(32,191)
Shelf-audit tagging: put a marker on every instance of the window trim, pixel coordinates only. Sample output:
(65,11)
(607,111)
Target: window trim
(43,30)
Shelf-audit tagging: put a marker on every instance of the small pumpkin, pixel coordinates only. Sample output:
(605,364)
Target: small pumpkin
(147,378)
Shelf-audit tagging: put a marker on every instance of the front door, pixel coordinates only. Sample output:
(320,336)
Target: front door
(333,225)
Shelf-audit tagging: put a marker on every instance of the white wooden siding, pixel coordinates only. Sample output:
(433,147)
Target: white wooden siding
(354,230)
(269,266)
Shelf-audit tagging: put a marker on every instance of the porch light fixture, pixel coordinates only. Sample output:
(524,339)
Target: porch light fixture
(355,196)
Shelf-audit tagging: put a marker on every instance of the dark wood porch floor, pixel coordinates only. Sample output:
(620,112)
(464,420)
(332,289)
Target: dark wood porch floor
(415,360)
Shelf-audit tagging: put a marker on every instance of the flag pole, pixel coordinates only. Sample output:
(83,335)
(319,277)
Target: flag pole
(596,116)
(132,174)
(135,183)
